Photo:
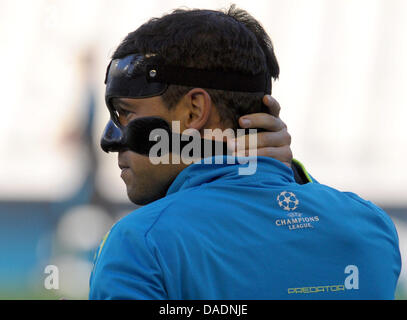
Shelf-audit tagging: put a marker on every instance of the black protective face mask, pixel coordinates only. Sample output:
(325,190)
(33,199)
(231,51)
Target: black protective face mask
(136,136)
(137,76)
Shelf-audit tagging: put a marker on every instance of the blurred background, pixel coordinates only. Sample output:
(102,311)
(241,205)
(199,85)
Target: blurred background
(341,89)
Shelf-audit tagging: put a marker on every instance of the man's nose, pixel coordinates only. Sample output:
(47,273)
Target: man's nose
(112,138)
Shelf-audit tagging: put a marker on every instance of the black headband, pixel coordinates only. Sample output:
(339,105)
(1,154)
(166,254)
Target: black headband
(228,81)
(139,76)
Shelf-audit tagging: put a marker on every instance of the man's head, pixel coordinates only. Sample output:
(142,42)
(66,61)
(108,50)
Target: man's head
(209,40)
(228,42)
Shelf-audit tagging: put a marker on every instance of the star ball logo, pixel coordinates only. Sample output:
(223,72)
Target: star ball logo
(293,220)
(288,201)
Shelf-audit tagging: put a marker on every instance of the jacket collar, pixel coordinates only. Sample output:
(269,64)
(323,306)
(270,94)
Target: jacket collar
(225,169)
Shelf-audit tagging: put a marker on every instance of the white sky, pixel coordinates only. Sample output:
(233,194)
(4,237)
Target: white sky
(341,89)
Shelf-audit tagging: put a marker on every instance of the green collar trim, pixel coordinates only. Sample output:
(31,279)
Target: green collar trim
(298,163)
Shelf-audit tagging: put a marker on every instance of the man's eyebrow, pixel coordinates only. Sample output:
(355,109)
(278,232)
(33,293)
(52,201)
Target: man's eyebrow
(124,103)
(120,103)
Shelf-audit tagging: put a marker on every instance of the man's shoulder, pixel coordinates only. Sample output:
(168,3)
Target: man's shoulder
(352,204)
(377,210)
(144,218)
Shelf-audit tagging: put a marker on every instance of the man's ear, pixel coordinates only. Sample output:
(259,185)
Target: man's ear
(199,105)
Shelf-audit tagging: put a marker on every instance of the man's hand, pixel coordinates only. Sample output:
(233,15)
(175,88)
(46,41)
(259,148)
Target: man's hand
(275,142)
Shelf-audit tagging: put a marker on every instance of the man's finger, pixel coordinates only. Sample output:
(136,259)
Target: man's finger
(264,139)
(262,121)
(283,154)
(272,104)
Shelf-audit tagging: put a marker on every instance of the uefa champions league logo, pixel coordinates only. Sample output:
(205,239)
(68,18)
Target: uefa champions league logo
(287,201)
(294,220)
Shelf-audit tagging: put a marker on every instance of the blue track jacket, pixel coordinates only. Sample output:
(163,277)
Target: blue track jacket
(221,235)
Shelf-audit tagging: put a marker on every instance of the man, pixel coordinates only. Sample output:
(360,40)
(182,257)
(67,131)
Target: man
(205,231)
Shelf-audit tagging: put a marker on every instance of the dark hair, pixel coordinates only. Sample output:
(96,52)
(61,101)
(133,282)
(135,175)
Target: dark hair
(230,40)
